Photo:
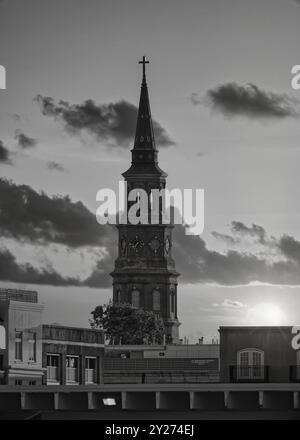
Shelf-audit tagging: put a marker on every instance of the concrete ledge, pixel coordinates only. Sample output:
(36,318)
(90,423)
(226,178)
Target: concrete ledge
(148,398)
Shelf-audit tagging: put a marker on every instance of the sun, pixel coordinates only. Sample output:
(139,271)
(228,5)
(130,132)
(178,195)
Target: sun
(265,314)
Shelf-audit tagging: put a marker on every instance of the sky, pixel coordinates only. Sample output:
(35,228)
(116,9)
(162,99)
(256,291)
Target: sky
(227,121)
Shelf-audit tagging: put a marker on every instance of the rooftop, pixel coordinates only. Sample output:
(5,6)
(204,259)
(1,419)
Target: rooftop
(18,295)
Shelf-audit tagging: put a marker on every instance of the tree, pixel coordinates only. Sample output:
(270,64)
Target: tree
(125,324)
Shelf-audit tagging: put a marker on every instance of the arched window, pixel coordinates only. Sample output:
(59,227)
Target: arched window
(2,337)
(250,362)
(135,298)
(156,300)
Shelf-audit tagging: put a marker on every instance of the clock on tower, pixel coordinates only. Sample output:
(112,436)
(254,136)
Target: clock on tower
(144,273)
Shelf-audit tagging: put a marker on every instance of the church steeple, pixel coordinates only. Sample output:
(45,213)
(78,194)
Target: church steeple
(144,152)
(144,273)
(144,136)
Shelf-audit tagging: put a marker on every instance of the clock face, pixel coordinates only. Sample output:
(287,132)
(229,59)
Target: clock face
(154,244)
(136,244)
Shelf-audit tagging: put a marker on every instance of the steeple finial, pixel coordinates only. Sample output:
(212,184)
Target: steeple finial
(144,62)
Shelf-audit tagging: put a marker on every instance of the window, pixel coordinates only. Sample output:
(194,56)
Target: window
(18,346)
(52,368)
(156,300)
(2,337)
(18,382)
(32,382)
(90,370)
(250,364)
(72,369)
(32,347)
(135,298)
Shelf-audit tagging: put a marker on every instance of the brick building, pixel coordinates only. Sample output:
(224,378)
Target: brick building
(72,356)
(258,354)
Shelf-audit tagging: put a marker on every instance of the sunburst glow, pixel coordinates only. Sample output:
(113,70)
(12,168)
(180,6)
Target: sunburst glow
(265,314)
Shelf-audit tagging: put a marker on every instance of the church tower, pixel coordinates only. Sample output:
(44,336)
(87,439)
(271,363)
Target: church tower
(144,273)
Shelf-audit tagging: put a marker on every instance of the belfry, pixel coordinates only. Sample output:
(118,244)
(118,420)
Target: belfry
(144,273)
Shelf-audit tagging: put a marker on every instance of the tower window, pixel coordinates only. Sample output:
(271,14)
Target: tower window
(135,298)
(32,347)
(156,300)
(18,346)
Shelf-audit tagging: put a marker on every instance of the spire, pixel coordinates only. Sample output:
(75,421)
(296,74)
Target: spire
(144,152)
(144,137)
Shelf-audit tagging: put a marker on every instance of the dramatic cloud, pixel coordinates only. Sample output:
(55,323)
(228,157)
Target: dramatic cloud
(233,99)
(32,216)
(10,270)
(54,166)
(290,248)
(29,216)
(197,264)
(255,231)
(25,141)
(4,154)
(113,123)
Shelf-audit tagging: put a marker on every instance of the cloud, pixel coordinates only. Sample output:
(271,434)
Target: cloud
(255,231)
(4,154)
(25,141)
(195,99)
(113,123)
(250,101)
(32,216)
(290,248)
(198,264)
(226,238)
(230,304)
(54,166)
(10,270)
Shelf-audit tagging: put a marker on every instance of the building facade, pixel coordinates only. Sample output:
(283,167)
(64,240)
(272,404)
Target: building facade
(72,356)
(258,354)
(21,338)
(159,364)
(144,273)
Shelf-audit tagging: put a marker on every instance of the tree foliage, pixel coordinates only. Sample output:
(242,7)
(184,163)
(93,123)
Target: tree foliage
(125,324)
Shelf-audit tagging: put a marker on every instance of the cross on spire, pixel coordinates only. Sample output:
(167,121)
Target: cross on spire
(144,62)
